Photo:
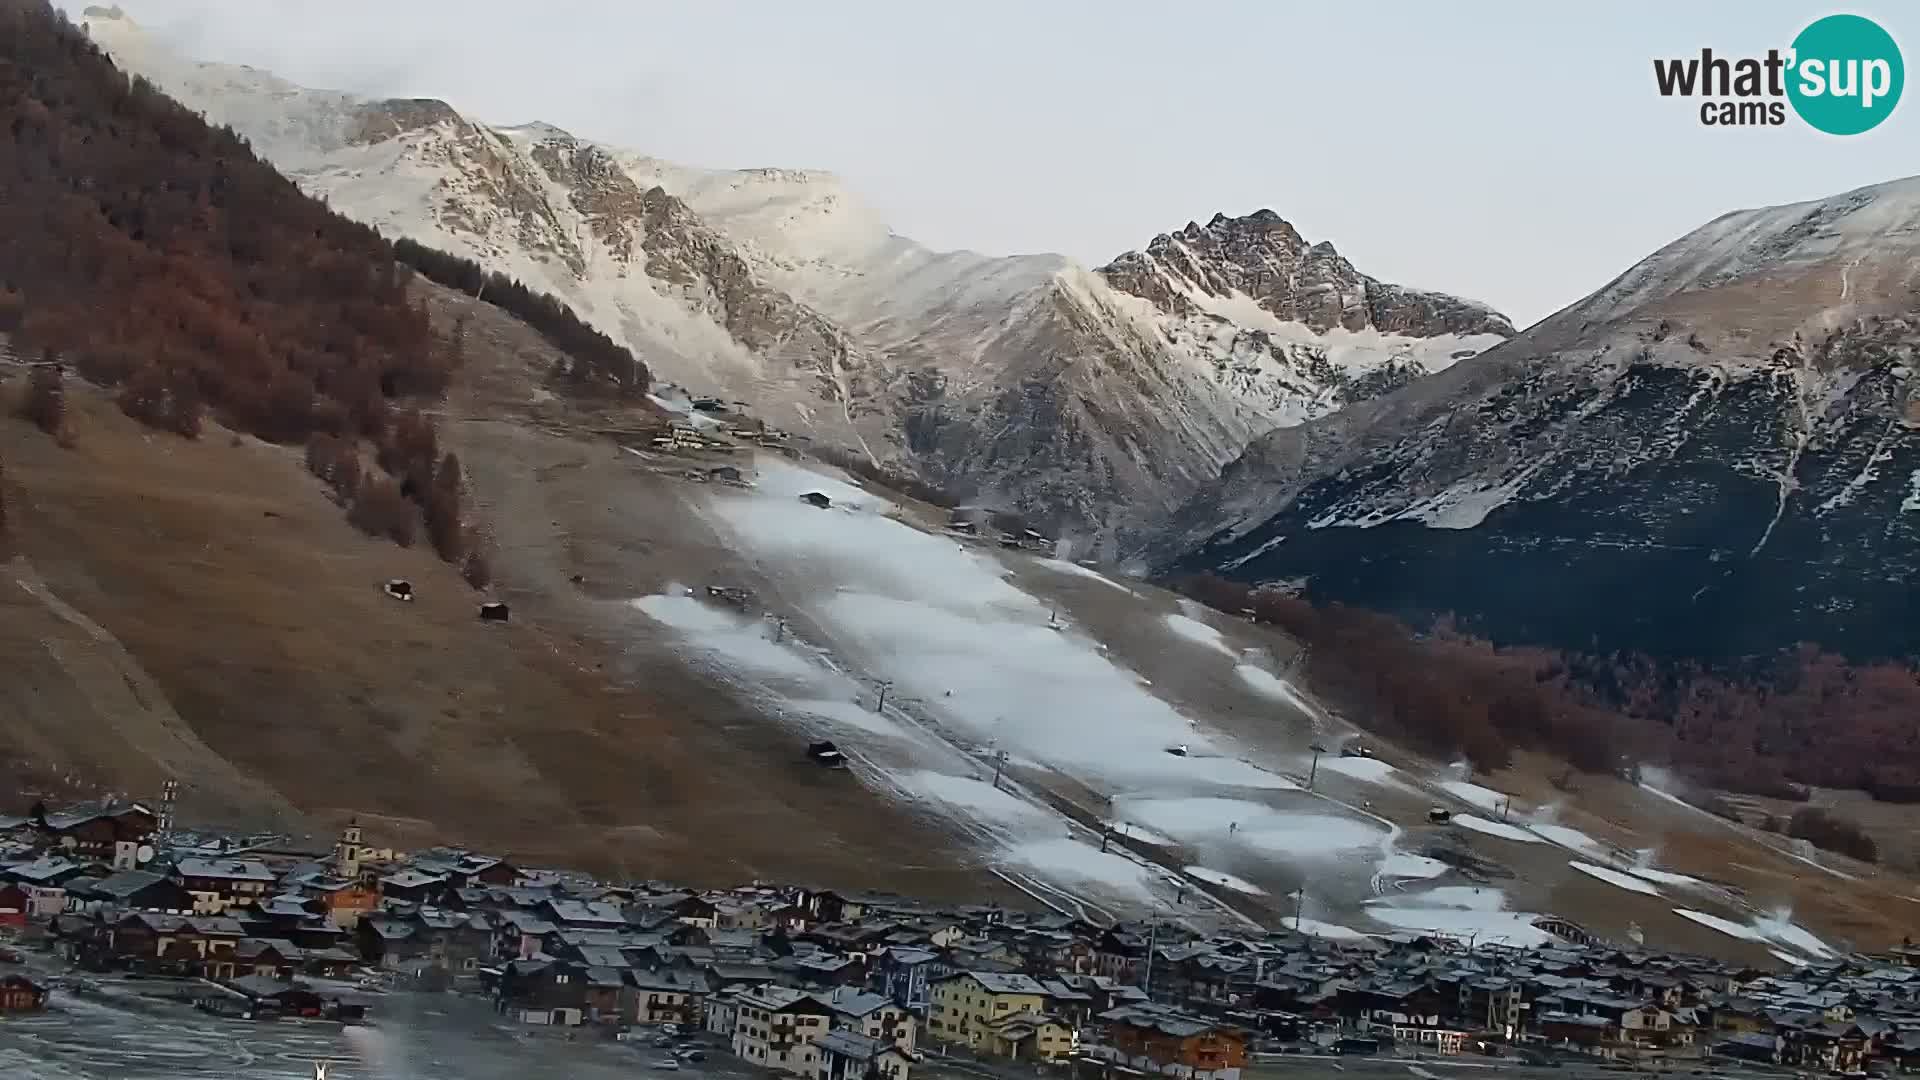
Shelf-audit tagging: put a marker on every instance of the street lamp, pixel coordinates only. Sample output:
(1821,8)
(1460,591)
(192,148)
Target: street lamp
(1314,769)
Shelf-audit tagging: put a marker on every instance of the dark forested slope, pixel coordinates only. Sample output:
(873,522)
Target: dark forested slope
(156,253)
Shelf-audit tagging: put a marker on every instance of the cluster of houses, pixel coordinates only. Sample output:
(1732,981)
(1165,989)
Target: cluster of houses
(684,436)
(1619,1003)
(722,427)
(975,524)
(834,984)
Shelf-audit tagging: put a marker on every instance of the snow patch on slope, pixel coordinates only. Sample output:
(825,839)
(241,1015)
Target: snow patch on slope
(1497,828)
(1255,825)
(1615,878)
(1402,864)
(1569,837)
(1317,928)
(1226,880)
(1483,797)
(1073,569)
(1076,862)
(1199,633)
(1267,684)
(1777,929)
(1664,877)
(1460,911)
(978,799)
(1370,770)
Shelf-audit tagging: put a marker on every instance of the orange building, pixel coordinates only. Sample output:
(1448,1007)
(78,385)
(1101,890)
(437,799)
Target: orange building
(1153,1037)
(347,903)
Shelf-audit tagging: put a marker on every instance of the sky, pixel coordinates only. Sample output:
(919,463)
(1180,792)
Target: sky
(1511,152)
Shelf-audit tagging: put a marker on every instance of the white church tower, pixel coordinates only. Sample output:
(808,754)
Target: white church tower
(346,853)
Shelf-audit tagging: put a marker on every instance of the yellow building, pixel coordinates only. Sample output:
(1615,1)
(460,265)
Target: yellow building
(998,1014)
(1031,1036)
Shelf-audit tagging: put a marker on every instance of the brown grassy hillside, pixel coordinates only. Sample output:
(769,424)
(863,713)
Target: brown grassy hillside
(201,608)
(180,600)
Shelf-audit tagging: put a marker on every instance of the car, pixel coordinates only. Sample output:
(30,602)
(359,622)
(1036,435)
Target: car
(693,1053)
(825,753)
(668,1064)
(663,1041)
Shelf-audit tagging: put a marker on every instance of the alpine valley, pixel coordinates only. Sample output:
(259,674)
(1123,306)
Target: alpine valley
(1715,455)
(275,428)
(1093,400)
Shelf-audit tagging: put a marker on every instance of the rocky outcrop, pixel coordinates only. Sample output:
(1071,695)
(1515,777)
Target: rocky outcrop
(1715,455)
(395,117)
(603,195)
(1264,258)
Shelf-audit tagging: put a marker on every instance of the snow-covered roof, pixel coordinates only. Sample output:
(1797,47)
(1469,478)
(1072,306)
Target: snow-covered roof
(999,982)
(411,879)
(781,998)
(226,869)
(858,1003)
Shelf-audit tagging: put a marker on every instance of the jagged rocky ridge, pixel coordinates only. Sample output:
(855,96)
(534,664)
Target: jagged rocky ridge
(1716,455)
(1264,258)
(1095,401)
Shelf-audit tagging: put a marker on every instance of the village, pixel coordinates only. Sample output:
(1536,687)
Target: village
(822,983)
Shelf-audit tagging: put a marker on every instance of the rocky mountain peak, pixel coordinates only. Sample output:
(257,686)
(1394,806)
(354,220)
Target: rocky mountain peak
(383,120)
(1262,227)
(1261,257)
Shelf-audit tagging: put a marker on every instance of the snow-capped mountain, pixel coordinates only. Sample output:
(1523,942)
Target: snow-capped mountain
(1093,400)
(1718,453)
(1291,326)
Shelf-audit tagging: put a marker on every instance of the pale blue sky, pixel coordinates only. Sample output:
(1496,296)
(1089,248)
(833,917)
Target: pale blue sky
(1512,152)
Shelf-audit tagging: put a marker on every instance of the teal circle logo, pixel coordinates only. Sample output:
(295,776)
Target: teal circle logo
(1847,74)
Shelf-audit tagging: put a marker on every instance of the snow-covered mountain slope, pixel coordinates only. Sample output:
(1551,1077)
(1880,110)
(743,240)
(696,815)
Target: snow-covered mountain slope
(1295,325)
(1717,453)
(559,213)
(1093,400)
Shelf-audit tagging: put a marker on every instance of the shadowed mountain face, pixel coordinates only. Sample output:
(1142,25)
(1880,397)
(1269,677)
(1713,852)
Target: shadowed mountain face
(1716,455)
